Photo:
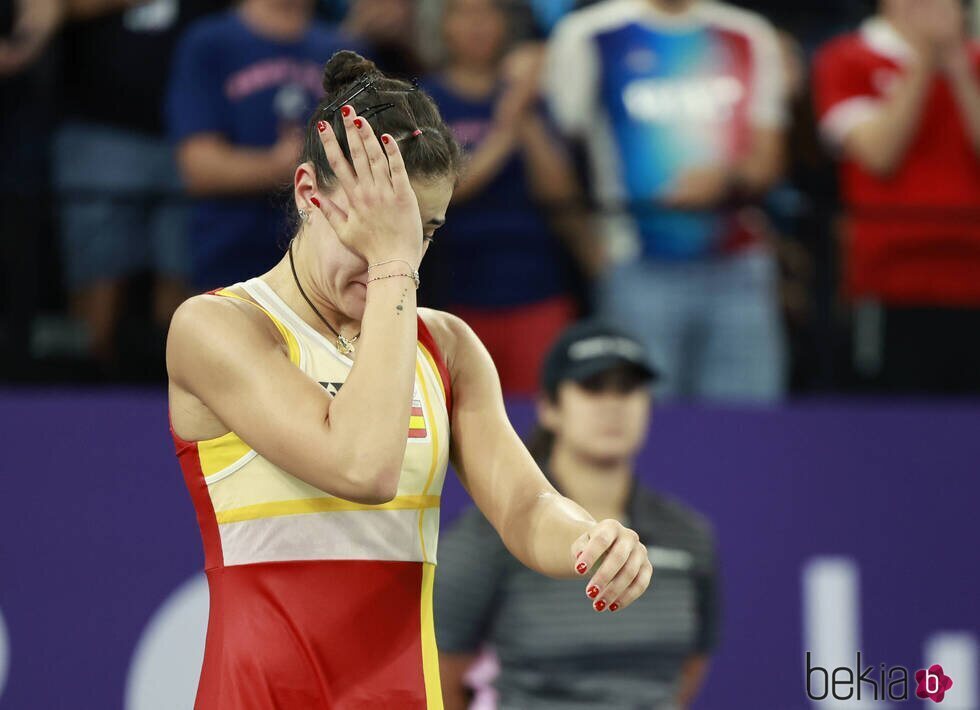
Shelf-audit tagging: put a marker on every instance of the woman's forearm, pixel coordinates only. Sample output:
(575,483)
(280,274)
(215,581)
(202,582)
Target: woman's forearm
(379,387)
(540,534)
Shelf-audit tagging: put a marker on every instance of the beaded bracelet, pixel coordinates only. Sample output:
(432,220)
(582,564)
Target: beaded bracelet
(413,276)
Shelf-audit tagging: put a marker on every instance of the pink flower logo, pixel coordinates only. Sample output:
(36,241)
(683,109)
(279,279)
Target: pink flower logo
(933,683)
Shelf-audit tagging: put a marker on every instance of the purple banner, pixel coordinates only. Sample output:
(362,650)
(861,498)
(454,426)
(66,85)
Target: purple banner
(842,526)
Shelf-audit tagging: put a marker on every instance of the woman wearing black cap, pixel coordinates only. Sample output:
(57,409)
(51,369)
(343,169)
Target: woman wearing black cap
(593,418)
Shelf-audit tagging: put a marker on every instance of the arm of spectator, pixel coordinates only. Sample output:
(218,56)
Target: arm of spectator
(87,9)
(571,76)
(198,119)
(452,672)
(472,563)
(35,23)
(519,73)
(212,166)
(485,163)
(966,87)
(876,131)
(693,672)
(707,587)
(757,171)
(554,183)
(879,142)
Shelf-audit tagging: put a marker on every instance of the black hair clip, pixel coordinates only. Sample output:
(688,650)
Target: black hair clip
(375,110)
(363,84)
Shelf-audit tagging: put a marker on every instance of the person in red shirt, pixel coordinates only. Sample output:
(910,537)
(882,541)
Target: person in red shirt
(899,101)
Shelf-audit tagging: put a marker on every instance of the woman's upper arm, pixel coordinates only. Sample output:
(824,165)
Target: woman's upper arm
(489,457)
(238,368)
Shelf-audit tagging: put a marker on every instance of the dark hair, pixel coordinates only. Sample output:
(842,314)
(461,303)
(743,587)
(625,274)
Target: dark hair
(540,444)
(392,106)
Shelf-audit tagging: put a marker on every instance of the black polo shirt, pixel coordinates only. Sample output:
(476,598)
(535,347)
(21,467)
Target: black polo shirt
(555,651)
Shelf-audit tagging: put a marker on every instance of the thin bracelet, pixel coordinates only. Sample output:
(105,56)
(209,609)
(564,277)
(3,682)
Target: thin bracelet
(392,261)
(414,277)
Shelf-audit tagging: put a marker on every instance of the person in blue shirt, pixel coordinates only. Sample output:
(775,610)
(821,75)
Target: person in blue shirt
(504,263)
(242,84)
(680,108)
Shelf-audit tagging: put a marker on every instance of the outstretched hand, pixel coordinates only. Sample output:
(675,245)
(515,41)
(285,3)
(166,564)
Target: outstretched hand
(625,570)
(374,210)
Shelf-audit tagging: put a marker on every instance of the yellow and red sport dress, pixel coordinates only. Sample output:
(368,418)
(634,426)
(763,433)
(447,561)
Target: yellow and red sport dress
(316,601)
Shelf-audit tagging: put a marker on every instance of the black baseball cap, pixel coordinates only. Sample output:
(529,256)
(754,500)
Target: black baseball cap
(590,347)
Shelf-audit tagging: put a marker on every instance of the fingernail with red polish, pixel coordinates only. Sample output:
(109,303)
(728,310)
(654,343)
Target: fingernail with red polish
(385,139)
(593,592)
(315,201)
(613,607)
(599,605)
(345,110)
(358,123)
(321,126)
(581,567)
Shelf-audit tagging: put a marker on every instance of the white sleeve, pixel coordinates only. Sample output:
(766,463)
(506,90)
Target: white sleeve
(570,77)
(768,101)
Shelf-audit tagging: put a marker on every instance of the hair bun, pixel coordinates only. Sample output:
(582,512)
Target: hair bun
(345,67)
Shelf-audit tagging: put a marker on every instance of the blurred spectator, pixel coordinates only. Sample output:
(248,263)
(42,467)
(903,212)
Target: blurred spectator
(900,101)
(797,207)
(115,173)
(32,24)
(554,650)
(500,265)
(242,86)
(680,106)
(387,30)
(27,91)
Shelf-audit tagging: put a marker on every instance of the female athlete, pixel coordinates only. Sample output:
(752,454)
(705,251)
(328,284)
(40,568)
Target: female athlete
(314,410)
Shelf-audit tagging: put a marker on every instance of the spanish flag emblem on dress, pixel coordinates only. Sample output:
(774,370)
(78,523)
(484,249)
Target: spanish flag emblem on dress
(416,422)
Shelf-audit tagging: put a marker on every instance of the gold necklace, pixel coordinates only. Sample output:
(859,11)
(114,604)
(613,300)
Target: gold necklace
(343,344)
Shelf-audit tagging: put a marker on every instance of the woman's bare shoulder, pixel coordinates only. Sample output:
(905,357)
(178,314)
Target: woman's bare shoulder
(207,329)
(455,338)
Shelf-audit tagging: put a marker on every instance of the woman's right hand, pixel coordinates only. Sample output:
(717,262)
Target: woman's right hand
(373,209)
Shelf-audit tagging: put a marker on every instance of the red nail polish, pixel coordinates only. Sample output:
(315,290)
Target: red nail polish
(613,607)
(358,123)
(315,201)
(345,110)
(321,126)
(599,605)
(581,567)
(593,592)
(385,139)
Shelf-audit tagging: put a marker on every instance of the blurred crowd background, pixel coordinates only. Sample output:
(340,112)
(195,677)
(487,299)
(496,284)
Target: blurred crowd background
(788,203)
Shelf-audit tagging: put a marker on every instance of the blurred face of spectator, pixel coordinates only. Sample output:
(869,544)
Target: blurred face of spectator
(474,31)
(340,275)
(603,418)
(381,20)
